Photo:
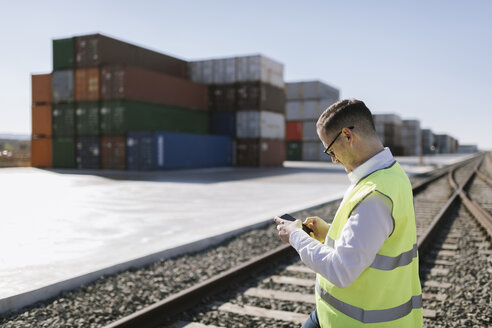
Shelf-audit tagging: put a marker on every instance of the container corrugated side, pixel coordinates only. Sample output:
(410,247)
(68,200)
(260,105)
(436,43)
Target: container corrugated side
(63,152)
(293,131)
(311,90)
(63,120)
(41,120)
(87,119)
(260,96)
(260,152)
(311,151)
(222,97)
(140,151)
(87,84)
(113,152)
(208,150)
(41,88)
(223,123)
(62,86)
(97,50)
(88,152)
(259,68)
(293,150)
(41,152)
(63,53)
(309,132)
(135,84)
(260,124)
(121,117)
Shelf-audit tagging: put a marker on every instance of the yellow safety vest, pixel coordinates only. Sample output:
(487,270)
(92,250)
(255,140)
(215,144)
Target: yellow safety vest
(388,292)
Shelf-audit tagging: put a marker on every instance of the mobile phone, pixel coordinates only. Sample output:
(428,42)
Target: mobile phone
(291,218)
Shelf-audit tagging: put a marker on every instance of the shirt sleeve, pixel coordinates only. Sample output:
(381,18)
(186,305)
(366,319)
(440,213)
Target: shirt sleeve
(362,237)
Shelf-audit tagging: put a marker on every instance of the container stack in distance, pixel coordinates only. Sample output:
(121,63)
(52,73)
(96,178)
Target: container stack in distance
(306,100)
(109,97)
(247,103)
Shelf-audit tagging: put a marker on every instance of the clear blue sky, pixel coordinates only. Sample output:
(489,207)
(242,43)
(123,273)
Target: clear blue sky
(429,60)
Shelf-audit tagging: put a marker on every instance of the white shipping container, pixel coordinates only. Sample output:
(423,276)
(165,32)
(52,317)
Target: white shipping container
(309,131)
(207,71)
(260,124)
(297,110)
(312,90)
(219,71)
(311,151)
(230,70)
(294,110)
(259,68)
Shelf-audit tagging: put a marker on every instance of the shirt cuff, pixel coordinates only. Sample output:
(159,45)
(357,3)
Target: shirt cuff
(296,236)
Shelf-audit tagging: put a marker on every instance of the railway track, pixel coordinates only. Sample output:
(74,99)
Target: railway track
(128,295)
(280,294)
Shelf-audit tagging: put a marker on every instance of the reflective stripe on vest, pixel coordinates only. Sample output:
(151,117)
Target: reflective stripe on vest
(383,262)
(370,316)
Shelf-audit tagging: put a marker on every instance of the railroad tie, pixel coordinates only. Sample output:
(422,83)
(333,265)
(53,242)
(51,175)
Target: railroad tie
(290,281)
(185,324)
(255,311)
(281,295)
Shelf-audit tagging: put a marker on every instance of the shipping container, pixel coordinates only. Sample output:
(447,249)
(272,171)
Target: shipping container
(63,152)
(136,84)
(41,88)
(97,50)
(87,84)
(63,53)
(254,68)
(309,132)
(62,86)
(293,131)
(311,151)
(88,153)
(411,138)
(222,97)
(293,150)
(223,123)
(260,152)
(388,128)
(185,150)
(312,90)
(428,142)
(41,120)
(121,117)
(260,124)
(140,151)
(41,152)
(297,110)
(87,119)
(260,96)
(63,120)
(113,152)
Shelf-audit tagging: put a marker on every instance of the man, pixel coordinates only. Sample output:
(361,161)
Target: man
(366,261)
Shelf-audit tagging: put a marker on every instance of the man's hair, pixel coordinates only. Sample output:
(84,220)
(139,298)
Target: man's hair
(345,113)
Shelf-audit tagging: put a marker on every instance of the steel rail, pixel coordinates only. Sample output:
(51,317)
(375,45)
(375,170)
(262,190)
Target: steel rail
(156,313)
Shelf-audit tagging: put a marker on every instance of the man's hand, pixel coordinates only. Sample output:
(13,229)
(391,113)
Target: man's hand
(319,227)
(286,227)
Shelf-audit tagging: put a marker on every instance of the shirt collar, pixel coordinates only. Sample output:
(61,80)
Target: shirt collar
(379,161)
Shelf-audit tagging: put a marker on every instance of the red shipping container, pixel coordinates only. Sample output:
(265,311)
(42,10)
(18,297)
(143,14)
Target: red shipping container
(113,153)
(41,88)
(41,152)
(294,131)
(132,83)
(87,84)
(260,152)
(41,120)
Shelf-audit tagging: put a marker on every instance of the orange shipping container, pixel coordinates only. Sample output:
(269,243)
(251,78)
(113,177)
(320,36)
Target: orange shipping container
(41,152)
(294,131)
(41,88)
(87,84)
(41,120)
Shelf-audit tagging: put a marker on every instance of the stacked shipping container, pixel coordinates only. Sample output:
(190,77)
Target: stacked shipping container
(247,102)
(41,142)
(388,127)
(411,138)
(305,102)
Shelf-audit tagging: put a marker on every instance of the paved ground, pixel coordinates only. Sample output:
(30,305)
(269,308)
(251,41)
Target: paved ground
(61,224)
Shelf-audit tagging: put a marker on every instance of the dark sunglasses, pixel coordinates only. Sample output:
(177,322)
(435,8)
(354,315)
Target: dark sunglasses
(330,152)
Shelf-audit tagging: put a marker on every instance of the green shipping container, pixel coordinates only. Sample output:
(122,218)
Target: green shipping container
(63,152)
(293,150)
(121,117)
(63,53)
(87,119)
(63,120)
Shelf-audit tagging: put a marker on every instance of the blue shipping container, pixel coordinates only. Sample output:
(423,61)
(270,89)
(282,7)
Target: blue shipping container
(140,153)
(224,123)
(87,153)
(185,150)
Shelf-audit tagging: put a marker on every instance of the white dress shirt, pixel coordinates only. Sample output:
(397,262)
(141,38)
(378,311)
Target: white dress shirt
(370,224)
